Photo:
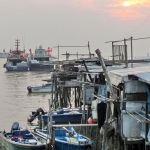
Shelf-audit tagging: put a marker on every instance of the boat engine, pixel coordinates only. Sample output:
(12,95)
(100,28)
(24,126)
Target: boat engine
(4,66)
(15,126)
(36,114)
(29,89)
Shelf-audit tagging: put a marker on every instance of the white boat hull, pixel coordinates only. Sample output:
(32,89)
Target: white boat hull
(40,89)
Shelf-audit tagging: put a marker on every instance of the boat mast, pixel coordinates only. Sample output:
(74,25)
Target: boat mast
(17,44)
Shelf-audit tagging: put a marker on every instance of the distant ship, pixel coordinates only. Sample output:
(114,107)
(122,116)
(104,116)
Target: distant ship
(3,54)
(16,60)
(41,60)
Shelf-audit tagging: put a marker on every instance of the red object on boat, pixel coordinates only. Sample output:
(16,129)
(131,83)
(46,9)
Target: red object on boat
(48,51)
(90,120)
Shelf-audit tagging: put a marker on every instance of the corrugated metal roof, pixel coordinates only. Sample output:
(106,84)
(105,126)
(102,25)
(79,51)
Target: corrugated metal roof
(144,77)
(142,71)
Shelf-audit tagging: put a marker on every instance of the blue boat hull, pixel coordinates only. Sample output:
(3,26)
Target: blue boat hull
(64,118)
(65,146)
(59,116)
(16,68)
(63,142)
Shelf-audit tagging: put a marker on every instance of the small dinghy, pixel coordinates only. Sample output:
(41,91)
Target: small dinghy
(22,139)
(40,89)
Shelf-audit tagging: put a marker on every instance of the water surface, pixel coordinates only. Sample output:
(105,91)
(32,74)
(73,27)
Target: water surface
(15,102)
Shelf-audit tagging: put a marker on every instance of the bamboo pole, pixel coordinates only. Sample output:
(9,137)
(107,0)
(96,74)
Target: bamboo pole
(106,123)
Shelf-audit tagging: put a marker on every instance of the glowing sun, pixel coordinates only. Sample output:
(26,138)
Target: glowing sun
(126,3)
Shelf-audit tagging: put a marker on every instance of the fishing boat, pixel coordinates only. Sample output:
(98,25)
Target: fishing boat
(67,139)
(41,60)
(59,116)
(40,89)
(21,139)
(16,60)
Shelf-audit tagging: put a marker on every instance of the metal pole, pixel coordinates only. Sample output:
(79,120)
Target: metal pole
(58,53)
(113,52)
(84,99)
(131,53)
(53,137)
(126,55)
(52,87)
(89,49)
(66,56)
(74,125)
(146,125)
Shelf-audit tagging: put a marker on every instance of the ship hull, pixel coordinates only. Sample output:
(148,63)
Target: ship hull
(41,67)
(16,68)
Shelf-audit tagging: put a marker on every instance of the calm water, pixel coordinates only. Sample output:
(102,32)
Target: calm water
(15,102)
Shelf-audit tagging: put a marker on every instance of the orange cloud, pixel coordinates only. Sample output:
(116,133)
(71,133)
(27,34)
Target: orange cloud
(137,3)
(126,14)
(135,9)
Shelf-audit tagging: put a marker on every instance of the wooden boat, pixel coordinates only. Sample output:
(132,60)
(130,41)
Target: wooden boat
(40,89)
(67,139)
(21,139)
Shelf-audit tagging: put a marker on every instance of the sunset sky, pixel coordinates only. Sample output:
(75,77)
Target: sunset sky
(73,23)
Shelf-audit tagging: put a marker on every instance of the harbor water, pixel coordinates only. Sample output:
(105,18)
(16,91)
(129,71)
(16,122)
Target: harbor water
(16,103)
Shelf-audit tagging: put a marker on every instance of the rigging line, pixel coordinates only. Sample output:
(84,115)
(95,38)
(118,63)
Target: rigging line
(139,26)
(141,38)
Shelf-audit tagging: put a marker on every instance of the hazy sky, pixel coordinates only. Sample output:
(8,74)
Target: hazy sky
(74,23)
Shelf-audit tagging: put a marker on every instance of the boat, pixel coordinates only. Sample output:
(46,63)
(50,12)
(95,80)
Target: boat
(16,60)
(23,139)
(40,89)
(67,139)
(59,116)
(41,60)
(4,54)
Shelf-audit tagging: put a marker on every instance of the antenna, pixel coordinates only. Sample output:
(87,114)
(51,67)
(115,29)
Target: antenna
(17,44)
(23,43)
(10,40)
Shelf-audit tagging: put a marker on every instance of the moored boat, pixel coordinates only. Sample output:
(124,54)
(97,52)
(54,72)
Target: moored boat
(59,116)
(21,139)
(41,60)
(16,60)
(40,89)
(67,139)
